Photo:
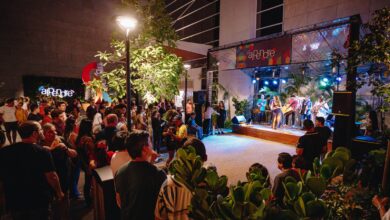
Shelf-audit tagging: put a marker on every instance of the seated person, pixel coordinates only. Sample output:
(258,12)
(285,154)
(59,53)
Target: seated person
(174,198)
(284,164)
(264,171)
(194,128)
(298,164)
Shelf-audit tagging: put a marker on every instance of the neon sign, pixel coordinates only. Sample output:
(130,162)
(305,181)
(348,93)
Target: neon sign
(62,93)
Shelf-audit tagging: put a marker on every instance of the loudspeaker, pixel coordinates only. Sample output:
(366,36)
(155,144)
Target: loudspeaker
(238,119)
(200,97)
(342,103)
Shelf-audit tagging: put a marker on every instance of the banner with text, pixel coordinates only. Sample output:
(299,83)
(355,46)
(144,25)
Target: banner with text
(264,53)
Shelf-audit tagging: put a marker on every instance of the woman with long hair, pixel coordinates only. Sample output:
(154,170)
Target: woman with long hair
(277,115)
(85,149)
(221,117)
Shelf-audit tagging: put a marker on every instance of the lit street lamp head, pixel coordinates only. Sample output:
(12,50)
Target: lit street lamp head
(187,66)
(127,23)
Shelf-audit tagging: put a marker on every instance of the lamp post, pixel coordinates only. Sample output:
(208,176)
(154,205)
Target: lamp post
(128,24)
(186,67)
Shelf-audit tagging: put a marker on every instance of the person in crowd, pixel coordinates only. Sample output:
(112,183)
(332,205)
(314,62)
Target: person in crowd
(28,175)
(20,113)
(157,130)
(207,119)
(380,204)
(189,109)
(261,103)
(323,131)
(174,198)
(161,108)
(97,124)
(310,145)
(371,124)
(264,172)
(298,164)
(193,127)
(140,122)
(75,113)
(61,155)
(58,119)
(284,164)
(85,149)
(277,114)
(292,106)
(8,116)
(34,114)
(306,109)
(320,108)
(121,156)
(47,117)
(42,105)
(102,156)
(111,121)
(138,182)
(221,117)
(91,110)
(61,106)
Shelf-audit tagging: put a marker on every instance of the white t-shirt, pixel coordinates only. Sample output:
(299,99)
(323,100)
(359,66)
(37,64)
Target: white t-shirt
(97,123)
(119,159)
(8,113)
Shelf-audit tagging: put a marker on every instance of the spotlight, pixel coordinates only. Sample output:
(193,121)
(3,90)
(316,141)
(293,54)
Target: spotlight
(322,83)
(274,82)
(257,78)
(254,81)
(266,82)
(338,79)
(325,80)
(284,81)
(286,67)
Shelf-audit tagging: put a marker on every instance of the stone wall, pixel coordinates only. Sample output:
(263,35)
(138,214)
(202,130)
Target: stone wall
(51,38)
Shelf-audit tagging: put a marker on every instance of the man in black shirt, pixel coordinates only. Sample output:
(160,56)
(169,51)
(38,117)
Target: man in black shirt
(284,164)
(34,114)
(323,131)
(138,182)
(310,144)
(28,175)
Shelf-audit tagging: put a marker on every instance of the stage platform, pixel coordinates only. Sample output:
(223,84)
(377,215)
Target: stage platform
(281,135)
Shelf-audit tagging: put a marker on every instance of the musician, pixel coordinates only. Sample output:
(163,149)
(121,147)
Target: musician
(276,108)
(291,109)
(306,109)
(262,103)
(320,109)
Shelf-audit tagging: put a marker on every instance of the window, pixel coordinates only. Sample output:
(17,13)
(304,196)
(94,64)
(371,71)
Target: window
(269,19)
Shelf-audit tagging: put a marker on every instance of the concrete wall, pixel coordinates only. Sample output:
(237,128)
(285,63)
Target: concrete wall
(237,21)
(51,38)
(300,13)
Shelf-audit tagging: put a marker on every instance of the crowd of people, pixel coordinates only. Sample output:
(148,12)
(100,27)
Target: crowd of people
(40,173)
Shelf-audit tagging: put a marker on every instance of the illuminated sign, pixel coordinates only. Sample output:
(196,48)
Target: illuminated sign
(50,91)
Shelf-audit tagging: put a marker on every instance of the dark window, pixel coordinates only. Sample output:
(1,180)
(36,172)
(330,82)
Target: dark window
(269,17)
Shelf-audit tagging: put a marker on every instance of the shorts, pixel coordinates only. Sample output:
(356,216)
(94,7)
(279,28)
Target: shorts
(11,126)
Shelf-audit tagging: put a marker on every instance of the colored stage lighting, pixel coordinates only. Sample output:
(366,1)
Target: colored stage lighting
(254,81)
(284,81)
(322,83)
(266,82)
(325,80)
(338,79)
(274,82)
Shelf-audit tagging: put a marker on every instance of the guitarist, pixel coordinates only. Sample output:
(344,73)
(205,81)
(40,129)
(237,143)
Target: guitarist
(320,108)
(291,106)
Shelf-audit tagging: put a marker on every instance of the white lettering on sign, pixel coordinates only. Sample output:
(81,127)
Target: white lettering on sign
(62,93)
(260,54)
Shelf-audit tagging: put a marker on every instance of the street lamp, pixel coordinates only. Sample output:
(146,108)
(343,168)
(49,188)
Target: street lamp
(128,24)
(186,67)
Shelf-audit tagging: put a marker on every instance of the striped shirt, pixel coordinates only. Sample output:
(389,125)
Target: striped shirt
(173,200)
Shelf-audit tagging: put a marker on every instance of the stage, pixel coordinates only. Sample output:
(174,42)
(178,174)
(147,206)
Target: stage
(282,135)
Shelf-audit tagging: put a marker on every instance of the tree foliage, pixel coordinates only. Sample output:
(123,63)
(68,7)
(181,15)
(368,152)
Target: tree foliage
(155,72)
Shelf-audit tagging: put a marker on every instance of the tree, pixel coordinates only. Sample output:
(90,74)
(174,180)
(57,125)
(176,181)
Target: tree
(155,71)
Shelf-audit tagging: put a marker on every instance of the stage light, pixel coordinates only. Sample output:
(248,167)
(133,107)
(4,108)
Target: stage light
(322,83)
(325,80)
(257,78)
(286,67)
(314,46)
(254,81)
(338,79)
(266,82)
(284,81)
(274,82)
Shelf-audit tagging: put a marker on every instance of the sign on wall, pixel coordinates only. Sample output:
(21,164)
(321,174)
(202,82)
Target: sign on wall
(264,53)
